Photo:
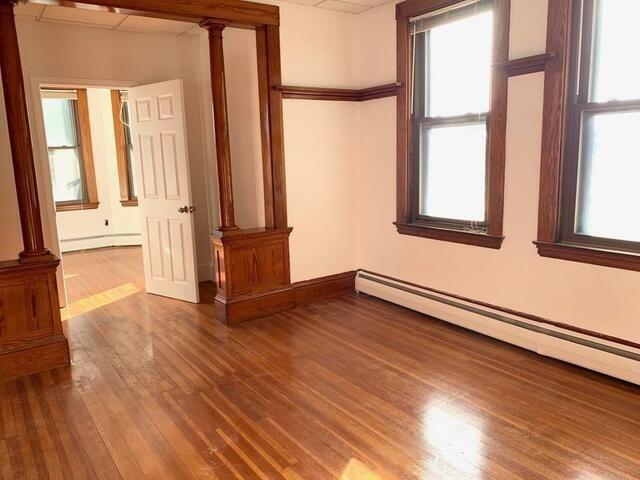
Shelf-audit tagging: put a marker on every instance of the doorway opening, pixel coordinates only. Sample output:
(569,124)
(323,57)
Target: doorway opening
(92,169)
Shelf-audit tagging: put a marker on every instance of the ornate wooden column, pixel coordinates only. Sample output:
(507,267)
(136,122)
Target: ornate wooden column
(20,138)
(252,265)
(31,337)
(221,124)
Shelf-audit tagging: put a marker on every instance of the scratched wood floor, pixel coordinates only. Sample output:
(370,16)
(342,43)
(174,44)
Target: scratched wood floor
(352,388)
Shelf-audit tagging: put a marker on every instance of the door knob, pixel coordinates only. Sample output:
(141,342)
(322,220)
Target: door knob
(184,209)
(192,209)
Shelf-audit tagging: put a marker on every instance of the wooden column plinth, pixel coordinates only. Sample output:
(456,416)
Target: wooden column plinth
(31,338)
(251,265)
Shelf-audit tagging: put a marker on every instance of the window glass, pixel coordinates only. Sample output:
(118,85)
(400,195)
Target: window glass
(458,59)
(616,70)
(453,179)
(66,175)
(59,121)
(608,190)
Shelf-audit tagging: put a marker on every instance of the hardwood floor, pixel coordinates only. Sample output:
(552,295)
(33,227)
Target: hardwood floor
(350,388)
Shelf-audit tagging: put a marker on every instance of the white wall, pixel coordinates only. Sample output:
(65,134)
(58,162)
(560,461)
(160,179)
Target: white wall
(588,296)
(81,229)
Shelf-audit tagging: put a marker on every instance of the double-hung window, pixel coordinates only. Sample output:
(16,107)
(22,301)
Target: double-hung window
(63,111)
(593,215)
(451,121)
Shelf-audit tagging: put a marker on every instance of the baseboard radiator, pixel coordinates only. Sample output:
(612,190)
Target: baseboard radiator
(615,357)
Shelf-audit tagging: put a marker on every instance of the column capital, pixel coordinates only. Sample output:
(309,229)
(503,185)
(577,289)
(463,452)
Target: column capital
(214,26)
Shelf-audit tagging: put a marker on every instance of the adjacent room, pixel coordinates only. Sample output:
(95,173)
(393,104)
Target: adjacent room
(292,239)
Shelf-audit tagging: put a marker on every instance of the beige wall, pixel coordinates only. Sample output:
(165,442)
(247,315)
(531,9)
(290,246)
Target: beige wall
(597,298)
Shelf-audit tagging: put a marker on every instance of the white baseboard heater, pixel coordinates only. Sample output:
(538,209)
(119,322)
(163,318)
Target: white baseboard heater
(602,353)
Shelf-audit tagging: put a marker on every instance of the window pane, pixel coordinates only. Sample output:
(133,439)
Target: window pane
(59,122)
(453,172)
(616,73)
(459,66)
(65,174)
(608,195)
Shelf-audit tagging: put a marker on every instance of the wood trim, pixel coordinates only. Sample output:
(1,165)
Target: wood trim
(319,93)
(406,188)
(379,91)
(525,65)
(129,203)
(77,206)
(121,148)
(340,94)
(264,100)
(451,235)
(276,126)
(297,294)
(509,311)
(411,8)
(592,255)
(497,138)
(84,126)
(232,12)
(553,119)
(403,129)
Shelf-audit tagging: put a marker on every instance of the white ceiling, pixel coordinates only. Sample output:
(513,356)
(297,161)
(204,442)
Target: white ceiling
(133,23)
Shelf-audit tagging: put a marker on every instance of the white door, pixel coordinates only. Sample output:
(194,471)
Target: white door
(158,132)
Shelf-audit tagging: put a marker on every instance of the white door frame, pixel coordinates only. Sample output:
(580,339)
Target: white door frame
(41,156)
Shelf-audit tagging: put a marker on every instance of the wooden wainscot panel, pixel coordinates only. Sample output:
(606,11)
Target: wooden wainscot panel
(31,338)
(253,276)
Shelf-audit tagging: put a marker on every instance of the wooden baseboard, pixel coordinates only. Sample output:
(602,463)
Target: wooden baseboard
(34,357)
(300,293)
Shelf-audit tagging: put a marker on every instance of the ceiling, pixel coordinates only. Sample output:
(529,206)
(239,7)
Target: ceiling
(134,23)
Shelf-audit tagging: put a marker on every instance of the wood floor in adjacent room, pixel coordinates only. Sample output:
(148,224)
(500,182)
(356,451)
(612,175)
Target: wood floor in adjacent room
(351,388)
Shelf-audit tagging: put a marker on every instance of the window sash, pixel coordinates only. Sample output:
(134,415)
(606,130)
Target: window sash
(72,96)
(578,107)
(419,119)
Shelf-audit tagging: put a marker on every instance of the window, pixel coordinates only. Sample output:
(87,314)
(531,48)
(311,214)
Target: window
(124,148)
(69,147)
(451,120)
(598,159)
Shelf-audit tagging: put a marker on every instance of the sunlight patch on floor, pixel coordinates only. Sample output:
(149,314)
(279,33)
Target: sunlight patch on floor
(98,300)
(356,470)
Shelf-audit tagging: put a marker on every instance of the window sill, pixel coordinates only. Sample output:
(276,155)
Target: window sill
(594,256)
(129,203)
(450,235)
(77,206)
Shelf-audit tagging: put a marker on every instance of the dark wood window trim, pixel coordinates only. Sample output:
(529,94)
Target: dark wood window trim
(90,201)
(339,94)
(124,174)
(559,154)
(407,221)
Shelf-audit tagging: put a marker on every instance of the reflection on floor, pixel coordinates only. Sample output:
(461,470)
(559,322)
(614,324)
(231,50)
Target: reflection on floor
(350,389)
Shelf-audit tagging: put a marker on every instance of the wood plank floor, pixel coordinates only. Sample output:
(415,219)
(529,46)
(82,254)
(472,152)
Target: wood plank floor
(351,388)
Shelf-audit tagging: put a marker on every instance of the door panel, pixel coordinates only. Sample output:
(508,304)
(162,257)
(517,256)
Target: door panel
(159,144)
